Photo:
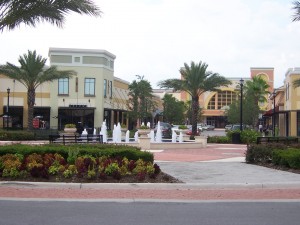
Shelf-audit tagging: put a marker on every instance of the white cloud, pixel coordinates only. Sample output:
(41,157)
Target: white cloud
(155,38)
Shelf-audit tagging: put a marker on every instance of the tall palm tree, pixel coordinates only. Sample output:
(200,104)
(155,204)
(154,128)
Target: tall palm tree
(195,81)
(141,100)
(31,74)
(257,87)
(15,12)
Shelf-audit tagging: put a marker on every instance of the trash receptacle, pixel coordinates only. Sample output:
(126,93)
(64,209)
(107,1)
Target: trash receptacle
(236,138)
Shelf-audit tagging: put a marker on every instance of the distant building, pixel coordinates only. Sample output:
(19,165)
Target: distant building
(89,98)
(214,104)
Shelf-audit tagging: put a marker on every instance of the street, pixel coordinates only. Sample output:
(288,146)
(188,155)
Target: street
(148,213)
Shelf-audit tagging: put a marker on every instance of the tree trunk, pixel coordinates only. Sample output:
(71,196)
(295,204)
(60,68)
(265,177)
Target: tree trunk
(30,103)
(195,110)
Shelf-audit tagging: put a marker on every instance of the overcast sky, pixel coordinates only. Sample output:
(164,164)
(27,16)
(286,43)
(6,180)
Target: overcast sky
(154,38)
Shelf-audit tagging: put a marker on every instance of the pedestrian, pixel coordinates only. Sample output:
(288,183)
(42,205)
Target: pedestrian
(260,128)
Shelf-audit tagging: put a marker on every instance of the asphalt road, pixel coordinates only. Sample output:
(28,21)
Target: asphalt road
(148,213)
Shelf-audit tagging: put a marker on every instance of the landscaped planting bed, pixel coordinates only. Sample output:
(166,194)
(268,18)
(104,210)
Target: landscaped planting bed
(79,163)
(275,155)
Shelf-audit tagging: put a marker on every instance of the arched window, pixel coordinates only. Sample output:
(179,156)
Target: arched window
(223,99)
(212,102)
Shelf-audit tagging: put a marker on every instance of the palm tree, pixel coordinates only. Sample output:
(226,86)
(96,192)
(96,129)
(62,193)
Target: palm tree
(15,12)
(195,81)
(257,87)
(31,74)
(141,100)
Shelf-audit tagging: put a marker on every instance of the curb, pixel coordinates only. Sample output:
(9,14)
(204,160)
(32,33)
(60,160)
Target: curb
(151,186)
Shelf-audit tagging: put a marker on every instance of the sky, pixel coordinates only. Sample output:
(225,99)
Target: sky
(154,38)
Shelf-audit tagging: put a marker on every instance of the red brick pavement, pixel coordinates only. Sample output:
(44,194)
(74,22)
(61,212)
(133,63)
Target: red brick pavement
(211,152)
(135,193)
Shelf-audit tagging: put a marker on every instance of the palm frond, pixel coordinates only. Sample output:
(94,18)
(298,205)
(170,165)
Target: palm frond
(15,12)
(296,8)
(296,83)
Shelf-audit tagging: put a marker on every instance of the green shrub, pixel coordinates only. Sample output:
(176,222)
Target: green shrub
(132,153)
(218,139)
(70,125)
(247,136)
(16,135)
(287,158)
(182,127)
(262,153)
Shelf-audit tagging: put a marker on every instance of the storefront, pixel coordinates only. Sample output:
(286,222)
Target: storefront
(83,118)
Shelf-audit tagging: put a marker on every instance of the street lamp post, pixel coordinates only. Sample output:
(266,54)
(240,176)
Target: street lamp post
(241,106)
(7,108)
(273,117)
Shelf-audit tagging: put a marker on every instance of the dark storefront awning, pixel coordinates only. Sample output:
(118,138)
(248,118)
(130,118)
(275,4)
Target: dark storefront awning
(270,112)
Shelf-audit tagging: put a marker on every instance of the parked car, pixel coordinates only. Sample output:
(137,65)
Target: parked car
(238,126)
(189,132)
(199,127)
(166,130)
(228,127)
(208,127)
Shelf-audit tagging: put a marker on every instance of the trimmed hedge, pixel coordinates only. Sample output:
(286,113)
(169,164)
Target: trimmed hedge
(247,136)
(288,158)
(276,153)
(131,153)
(218,139)
(16,135)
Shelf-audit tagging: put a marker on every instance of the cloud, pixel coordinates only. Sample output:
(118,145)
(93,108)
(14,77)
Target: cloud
(155,38)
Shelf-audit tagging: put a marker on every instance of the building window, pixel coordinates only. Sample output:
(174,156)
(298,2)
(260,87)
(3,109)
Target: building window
(211,103)
(89,86)
(110,89)
(76,84)
(226,98)
(287,92)
(77,59)
(105,88)
(63,86)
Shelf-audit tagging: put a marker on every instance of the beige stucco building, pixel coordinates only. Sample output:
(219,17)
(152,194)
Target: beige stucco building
(290,115)
(87,99)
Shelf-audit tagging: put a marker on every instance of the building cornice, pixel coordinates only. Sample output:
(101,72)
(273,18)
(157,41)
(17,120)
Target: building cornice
(261,68)
(81,51)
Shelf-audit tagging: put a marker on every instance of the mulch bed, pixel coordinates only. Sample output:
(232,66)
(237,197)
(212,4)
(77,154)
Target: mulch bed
(160,178)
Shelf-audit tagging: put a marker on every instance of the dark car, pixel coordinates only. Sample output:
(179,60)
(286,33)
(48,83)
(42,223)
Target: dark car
(166,130)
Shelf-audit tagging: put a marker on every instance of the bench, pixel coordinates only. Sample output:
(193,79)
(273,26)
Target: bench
(71,139)
(284,140)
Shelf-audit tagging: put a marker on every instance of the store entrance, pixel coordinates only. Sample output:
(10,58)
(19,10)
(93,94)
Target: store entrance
(83,118)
